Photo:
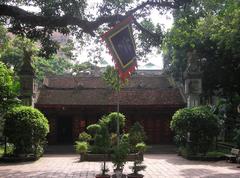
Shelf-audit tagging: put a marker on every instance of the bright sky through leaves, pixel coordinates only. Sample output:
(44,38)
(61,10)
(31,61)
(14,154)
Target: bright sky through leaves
(154,58)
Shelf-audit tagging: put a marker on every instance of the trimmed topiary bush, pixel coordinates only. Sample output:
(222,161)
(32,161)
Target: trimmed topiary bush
(141,147)
(136,135)
(195,128)
(93,129)
(120,152)
(26,128)
(84,137)
(81,147)
(101,141)
(110,121)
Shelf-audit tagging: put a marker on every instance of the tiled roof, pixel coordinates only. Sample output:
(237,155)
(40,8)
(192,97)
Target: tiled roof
(93,91)
(89,82)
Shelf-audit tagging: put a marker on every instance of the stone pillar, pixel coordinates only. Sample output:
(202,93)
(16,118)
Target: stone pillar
(27,85)
(193,81)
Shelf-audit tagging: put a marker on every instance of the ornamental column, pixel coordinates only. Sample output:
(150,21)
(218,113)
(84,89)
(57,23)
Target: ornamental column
(193,80)
(27,86)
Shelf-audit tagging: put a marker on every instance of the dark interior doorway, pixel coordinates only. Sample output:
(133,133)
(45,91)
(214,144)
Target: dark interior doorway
(64,131)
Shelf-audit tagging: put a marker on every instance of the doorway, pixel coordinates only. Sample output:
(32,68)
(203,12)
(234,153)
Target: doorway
(64,130)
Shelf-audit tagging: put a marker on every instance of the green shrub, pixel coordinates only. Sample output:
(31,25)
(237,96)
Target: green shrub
(101,141)
(215,154)
(125,137)
(110,121)
(9,149)
(136,135)
(84,137)
(113,139)
(202,125)
(81,147)
(120,152)
(141,147)
(237,137)
(9,89)
(93,129)
(102,145)
(137,164)
(26,128)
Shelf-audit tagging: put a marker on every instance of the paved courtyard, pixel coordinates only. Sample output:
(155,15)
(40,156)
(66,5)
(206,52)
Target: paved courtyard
(158,166)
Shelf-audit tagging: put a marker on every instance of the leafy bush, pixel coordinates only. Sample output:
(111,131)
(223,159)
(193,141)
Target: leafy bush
(125,137)
(81,147)
(200,123)
(141,147)
(110,76)
(215,154)
(9,149)
(84,137)
(101,141)
(93,129)
(137,164)
(120,152)
(8,88)
(110,121)
(136,135)
(26,128)
(237,138)
(226,110)
(113,139)
(8,92)
(102,145)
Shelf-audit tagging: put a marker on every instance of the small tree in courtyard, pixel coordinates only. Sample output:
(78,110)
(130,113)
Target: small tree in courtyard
(196,128)
(102,140)
(136,135)
(110,121)
(26,128)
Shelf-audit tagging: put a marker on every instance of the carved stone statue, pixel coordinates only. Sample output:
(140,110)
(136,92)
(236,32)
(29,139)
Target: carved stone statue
(193,82)
(193,63)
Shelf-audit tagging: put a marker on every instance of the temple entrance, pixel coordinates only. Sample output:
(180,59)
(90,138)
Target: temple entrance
(64,130)
(158,131)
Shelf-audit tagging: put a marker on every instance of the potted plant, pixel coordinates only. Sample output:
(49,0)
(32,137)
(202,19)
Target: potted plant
(104,171)
(119,157)
(136,135)
(84,137)
(102,139)
(137,164)
(81,148)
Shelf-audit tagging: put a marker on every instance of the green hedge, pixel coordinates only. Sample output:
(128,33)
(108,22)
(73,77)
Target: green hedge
(26,128)
(200,123)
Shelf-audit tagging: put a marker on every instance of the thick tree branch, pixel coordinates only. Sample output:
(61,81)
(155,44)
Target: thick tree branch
(154,3)
(63,21)
(156,36)
(39,20)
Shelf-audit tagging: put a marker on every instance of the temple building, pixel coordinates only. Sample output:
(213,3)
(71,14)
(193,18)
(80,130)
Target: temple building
(71,103)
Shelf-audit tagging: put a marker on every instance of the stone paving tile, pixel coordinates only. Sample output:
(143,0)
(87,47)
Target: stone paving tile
(158,166)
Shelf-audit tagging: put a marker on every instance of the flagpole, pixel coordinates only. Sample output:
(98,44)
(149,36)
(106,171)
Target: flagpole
(118,103)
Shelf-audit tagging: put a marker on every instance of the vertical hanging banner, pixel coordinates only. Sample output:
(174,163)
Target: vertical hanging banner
(121,45)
